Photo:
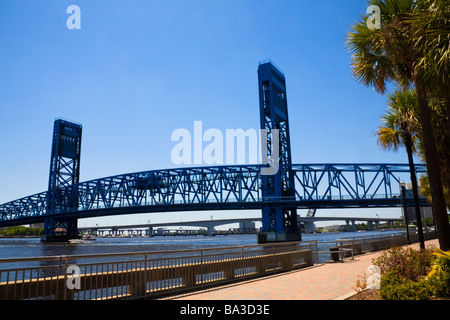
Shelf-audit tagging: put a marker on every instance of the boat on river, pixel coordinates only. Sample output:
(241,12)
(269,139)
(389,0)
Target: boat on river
(84,239)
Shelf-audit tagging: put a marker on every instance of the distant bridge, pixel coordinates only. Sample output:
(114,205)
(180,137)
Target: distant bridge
(211,224)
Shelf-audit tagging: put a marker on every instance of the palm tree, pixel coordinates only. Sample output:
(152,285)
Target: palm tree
(401,128)
(432,21)
(439,117)
(400,124)
(391,54)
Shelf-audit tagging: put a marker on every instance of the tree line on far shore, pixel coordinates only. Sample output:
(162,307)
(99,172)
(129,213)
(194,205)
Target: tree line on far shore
(21,231)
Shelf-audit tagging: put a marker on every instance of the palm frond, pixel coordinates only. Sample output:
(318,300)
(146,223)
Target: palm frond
(399,121)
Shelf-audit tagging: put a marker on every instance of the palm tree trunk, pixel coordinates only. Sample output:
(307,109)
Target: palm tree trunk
(433,169)
(446,175)
(447,150)
(412,170)
(447,105)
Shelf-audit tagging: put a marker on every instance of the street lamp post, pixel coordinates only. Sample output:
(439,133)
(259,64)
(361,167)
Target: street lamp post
(405,214)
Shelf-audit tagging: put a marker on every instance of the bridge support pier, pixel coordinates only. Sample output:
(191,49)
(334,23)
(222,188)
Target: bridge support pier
(60,230)
(267,236)
(353,228)
(210,231)
(309,227)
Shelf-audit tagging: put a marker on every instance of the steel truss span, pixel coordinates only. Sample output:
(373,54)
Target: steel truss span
(215,188)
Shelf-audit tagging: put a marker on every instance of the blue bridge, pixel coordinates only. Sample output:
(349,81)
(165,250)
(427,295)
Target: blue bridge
(277,188)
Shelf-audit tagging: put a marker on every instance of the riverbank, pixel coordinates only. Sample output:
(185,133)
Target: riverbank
(20,237)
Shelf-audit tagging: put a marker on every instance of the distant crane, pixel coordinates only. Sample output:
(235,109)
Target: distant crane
(311,212)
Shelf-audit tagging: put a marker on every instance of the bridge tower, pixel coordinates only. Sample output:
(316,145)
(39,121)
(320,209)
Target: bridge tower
(279,223)
(64,172)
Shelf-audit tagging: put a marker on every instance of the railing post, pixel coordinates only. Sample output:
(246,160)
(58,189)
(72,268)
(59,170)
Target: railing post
(353,249)
(317,251)
(146,269)
(57,290)
(242,265)
(201,268)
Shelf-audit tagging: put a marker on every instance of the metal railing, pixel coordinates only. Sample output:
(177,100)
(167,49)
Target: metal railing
(348,247)
(141,275)
(145,274)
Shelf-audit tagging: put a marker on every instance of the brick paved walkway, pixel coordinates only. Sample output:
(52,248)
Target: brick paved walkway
(329,281)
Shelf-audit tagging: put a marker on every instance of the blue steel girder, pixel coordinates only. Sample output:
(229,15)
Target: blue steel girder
(64,174)
(274,120)
(355,181)
(215,188)
(187,185)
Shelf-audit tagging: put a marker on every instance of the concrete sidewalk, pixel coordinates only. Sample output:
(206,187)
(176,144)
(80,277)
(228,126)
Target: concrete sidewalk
(329,281)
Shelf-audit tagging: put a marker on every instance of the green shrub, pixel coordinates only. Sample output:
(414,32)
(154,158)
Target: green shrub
(410,264)
(439,278)
(403,274)
(393,287)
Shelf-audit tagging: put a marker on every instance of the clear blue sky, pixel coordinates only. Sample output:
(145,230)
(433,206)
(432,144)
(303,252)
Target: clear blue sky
(139,69)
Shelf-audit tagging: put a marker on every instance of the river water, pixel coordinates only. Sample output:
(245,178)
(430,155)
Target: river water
(33,247)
